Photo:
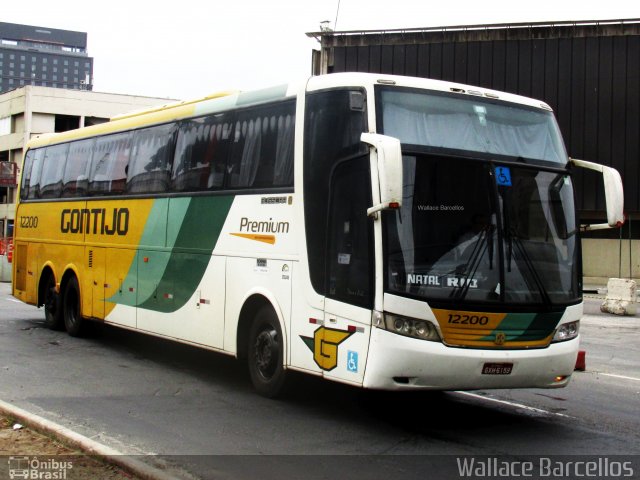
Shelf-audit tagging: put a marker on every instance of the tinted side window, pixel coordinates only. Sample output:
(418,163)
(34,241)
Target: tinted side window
(26,173)
(334,121)
(109,164)
(55,158)
(34,176)
(201,153)
(76,173)
(262,151)
(149,170)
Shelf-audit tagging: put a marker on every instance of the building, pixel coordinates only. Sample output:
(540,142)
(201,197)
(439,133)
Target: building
(45,57)
(587,71)
(31,110)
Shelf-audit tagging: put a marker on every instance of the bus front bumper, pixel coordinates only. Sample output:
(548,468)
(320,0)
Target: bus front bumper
(396,362)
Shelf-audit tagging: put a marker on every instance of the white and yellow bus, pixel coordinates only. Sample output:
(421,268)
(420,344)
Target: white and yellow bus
(385,232)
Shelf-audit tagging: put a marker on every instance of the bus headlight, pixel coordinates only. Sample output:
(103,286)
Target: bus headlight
(567,331)
(410,327)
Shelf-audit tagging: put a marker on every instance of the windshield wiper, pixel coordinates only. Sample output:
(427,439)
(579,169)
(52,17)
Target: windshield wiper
(483,244)
(532,269)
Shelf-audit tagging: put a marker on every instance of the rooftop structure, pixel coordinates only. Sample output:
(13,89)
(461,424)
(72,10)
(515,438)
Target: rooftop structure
(45,57)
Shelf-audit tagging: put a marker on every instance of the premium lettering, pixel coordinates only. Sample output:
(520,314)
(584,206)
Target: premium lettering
(96,221)
(270,226)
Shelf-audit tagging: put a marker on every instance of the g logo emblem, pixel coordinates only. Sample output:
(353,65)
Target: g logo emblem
(500,338)
(324,346)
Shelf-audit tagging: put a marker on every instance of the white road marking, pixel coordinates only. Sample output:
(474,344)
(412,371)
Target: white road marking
(514,404)
(619,376)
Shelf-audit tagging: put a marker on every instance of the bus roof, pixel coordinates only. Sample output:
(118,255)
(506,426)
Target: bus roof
(217,102)
(227,100)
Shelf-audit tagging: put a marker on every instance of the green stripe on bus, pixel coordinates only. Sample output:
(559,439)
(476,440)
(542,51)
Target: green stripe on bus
(201,227)
(170,277)
(523,327)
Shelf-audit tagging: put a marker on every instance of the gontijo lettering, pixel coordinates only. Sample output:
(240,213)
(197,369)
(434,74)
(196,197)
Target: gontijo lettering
(97,221)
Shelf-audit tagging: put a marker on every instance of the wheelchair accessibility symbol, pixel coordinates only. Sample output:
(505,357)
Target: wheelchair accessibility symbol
(503,176)
(352,361)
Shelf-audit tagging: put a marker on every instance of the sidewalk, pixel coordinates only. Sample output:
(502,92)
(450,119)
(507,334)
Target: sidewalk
(86,458)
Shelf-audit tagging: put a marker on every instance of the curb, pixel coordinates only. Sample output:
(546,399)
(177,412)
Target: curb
(84,444)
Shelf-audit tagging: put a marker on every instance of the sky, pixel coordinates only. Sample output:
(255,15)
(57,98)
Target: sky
(188,49)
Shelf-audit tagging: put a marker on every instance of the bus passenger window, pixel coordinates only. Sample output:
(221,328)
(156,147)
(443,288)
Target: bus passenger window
(262,152)
(28,171)
(201,154)
(152,153)
(76,173)
(52,171)
(109,163)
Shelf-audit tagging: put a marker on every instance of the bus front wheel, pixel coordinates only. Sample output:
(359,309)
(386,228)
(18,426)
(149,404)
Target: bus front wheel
(73,320)
(265,353)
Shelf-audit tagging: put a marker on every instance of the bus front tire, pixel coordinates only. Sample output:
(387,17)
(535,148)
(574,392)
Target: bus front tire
(265,354)
(52,310)
(73,321)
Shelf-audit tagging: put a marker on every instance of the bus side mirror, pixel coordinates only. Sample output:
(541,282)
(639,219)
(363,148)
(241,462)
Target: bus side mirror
(613,193)
(388,158)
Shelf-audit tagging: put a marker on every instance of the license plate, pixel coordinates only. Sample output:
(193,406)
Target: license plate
(497,368)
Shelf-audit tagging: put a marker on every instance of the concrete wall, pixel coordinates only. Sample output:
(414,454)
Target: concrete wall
(609,258)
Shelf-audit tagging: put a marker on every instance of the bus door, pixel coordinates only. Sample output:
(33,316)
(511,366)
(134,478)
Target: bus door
(95,282)
(349,273)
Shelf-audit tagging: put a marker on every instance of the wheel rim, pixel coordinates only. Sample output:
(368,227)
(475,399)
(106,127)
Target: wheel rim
(266,349)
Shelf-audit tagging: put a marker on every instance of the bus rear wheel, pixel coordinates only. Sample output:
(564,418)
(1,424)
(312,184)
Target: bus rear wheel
(265,353)
(52,310)
(73,321)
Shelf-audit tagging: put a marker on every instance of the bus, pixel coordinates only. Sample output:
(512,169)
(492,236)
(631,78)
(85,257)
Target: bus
(386,232)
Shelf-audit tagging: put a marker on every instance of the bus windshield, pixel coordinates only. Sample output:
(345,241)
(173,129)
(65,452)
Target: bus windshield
(471,124)
(470,228)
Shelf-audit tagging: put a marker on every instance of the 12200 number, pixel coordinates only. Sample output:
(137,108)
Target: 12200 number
(468,319)
(29,222)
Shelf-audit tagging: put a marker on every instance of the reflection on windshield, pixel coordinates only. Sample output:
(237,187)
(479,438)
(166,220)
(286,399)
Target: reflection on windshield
(462,235)
(469,123)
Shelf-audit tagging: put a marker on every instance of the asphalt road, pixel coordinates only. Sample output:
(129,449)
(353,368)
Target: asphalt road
(196,410)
